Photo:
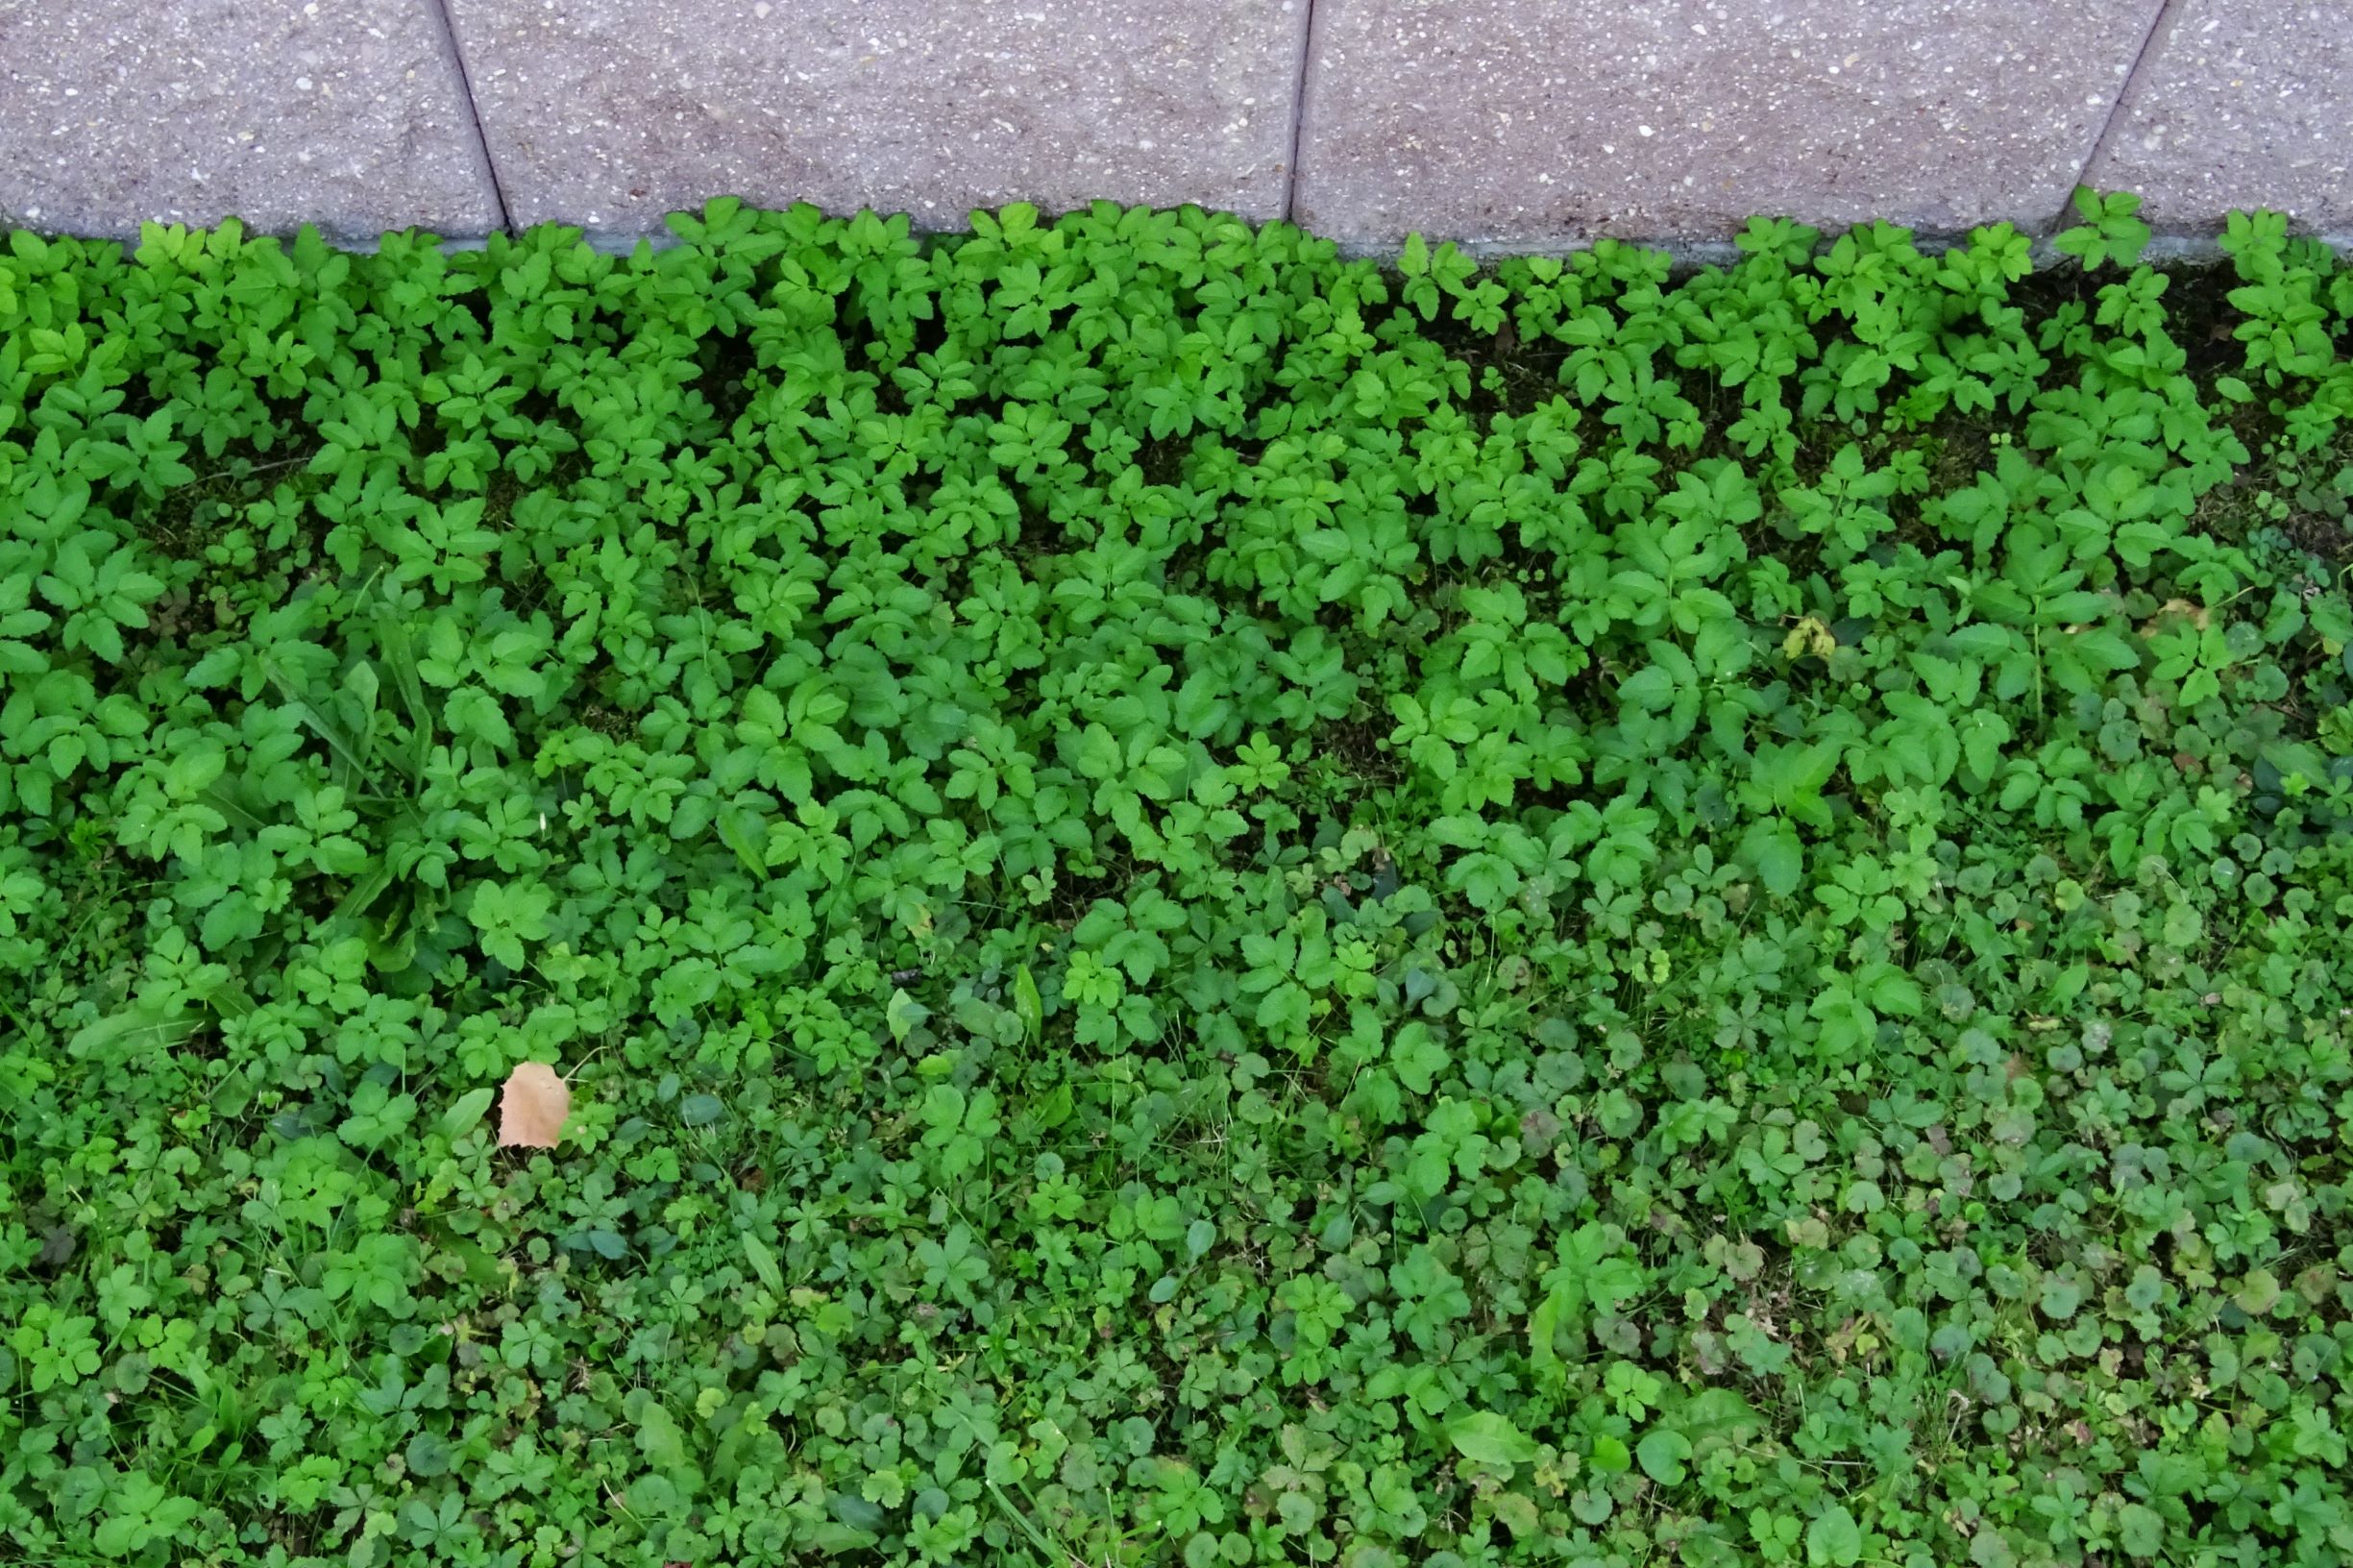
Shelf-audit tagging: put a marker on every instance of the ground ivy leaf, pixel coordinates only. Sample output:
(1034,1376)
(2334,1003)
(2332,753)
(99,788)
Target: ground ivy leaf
(1662,1453)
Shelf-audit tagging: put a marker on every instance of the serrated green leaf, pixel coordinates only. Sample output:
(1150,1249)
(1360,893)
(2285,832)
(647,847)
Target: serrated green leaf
(1490,1438)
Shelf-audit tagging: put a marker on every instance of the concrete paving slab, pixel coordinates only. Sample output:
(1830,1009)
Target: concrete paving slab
(1538,124)
(609,113)
(2240,104)
(351,115)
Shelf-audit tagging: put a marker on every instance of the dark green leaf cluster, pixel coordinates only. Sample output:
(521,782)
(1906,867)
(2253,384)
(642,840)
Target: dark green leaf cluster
(1204,904)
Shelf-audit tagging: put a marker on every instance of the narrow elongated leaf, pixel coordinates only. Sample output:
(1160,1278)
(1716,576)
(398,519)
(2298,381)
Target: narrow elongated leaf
(1490,1438)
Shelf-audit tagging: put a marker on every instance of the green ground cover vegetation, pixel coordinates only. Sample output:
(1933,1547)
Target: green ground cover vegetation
(1204,904)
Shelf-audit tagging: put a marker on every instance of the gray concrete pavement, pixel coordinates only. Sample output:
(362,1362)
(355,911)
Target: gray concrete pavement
(608,113)
(2240,104)
(1506,124)
(352,114)
(1545,124)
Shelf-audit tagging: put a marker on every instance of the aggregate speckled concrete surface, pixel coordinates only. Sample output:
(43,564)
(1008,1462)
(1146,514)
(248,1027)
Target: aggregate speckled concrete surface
(1507,125)
(2241,104)
(1542,125)
(608,113)
(351,115)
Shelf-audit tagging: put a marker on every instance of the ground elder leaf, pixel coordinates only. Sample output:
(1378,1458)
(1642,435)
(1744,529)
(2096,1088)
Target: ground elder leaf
(1239,905)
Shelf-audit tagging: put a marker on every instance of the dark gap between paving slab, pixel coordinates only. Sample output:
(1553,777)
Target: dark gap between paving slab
(2241,104)
(1539,126)
(345,113)
(608,115)
(2158,26)
(465,84)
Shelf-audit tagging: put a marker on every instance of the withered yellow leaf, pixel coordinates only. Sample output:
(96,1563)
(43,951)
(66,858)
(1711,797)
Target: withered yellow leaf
(1809,636)
(532,1107)
(2198,615)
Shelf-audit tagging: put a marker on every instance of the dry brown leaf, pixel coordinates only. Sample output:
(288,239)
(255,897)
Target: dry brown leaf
(2198,615)
(532,1107)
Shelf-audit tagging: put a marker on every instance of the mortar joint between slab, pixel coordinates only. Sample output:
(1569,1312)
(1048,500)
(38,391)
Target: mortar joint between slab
(2152,43)
(1299,111)
(482,132)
